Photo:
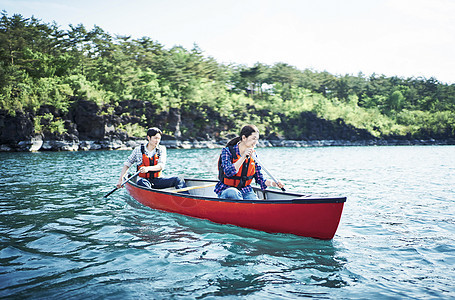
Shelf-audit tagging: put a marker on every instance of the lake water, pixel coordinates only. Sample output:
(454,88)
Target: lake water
(61,239)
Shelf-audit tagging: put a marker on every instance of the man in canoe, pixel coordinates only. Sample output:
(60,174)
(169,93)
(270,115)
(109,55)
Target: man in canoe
(237,167)
(150,160)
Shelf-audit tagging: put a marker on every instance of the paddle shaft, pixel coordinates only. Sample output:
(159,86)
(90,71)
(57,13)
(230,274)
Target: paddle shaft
(267,171)
(116,188)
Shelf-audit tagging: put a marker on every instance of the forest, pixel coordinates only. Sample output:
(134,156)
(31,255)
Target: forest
(43,66)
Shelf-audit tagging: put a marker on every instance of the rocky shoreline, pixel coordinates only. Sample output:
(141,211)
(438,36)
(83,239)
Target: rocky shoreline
(37,144)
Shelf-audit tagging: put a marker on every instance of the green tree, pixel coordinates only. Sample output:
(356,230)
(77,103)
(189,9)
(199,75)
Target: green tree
(395,101)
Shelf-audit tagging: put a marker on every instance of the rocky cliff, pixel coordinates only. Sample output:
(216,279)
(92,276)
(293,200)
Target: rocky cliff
(88,126)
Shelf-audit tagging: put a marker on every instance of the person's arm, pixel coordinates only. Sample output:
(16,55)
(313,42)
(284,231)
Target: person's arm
(239,163)
(226,163)
(163,158)
(122,174)
(260,178)
(132,159)
(230,169)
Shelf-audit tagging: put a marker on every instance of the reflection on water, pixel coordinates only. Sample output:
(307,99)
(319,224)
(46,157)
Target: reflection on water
(242,259)
(60,238)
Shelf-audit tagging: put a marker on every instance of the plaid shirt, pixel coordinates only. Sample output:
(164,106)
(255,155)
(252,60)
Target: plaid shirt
(229,170)
(135,157)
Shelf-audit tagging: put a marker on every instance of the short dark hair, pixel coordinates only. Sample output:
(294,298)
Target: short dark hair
(153,131)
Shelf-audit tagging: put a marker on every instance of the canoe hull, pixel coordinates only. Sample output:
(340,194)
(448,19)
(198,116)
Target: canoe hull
(312,217)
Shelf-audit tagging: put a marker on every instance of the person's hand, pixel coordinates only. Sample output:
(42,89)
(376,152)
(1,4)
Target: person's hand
(143,169)
(274,184)
(119,183)
(248,152)
(280,184)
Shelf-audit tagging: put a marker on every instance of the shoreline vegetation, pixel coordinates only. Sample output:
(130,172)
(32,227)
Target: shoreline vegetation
(84,89)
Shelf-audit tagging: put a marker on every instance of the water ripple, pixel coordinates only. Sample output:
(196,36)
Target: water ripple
(61,239)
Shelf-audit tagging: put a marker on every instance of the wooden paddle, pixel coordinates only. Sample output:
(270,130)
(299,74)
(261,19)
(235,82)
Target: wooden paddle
(195,187)
(116,188)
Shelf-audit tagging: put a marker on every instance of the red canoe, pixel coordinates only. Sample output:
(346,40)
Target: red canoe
(276,211)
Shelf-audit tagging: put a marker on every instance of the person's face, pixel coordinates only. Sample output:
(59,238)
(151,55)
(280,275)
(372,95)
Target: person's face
(252,140)
(154,140)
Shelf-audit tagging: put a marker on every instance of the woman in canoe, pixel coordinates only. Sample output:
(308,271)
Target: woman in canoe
(150,160)
(237,167)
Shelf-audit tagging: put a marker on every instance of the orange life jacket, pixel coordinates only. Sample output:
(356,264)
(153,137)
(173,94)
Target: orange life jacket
(245,174)
(149,161)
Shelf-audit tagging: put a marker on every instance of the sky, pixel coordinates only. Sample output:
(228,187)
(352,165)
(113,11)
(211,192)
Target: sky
(404,38)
